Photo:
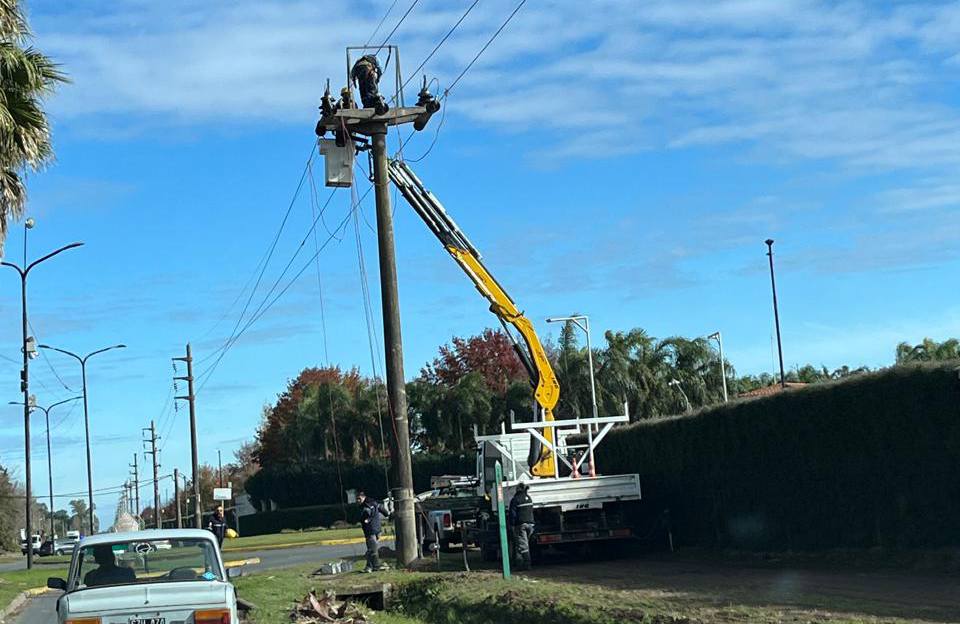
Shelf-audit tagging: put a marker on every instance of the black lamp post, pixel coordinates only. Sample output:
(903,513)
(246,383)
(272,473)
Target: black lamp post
(776,312)
(25,376)
(86,416)
(46,414)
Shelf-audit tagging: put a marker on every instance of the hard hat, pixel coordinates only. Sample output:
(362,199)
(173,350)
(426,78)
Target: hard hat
(231,534)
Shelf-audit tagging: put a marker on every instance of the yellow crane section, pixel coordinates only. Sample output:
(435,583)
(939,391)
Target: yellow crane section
(532,354)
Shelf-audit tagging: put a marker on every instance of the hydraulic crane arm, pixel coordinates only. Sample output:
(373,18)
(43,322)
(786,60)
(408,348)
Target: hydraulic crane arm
(531,352)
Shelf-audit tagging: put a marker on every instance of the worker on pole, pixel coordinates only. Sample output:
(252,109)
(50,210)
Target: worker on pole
(366,75)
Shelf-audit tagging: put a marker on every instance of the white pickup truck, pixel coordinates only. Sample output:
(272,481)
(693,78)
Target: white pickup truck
(147,577)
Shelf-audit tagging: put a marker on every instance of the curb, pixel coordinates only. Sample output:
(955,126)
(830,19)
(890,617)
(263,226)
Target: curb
(331,542)
(19,600)
(241,562)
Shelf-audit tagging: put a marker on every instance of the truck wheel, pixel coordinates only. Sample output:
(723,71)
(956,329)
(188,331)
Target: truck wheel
(489,552)
(60,553)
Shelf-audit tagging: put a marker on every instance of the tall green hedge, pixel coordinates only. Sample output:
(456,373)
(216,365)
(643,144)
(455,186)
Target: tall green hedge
(317,483)
(870,461)
(268,522)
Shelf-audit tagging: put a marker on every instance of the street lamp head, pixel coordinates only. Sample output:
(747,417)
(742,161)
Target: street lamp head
(29,223)
(674,382)
(714,336)
(769,242)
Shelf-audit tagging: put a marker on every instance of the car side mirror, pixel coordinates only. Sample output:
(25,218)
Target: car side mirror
(57,583)
(233,573)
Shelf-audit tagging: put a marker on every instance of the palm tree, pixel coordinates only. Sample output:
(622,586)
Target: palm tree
(928,351)
(26,78)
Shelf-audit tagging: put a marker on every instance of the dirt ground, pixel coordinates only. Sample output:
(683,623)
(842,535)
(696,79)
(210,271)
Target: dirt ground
(853,594)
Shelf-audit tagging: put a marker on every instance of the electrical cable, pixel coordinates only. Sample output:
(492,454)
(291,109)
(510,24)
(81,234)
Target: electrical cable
(402,18)
(382,20)
(43,354)
(256,313)
(371,331)
(476,57)
(326,350)
(485,46)
(266,307)
(439,44)
(270,250)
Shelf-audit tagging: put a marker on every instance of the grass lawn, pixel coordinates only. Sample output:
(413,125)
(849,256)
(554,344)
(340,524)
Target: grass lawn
(597,593)
(12,583)
(276,592)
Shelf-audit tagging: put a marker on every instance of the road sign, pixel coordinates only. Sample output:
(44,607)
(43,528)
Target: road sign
(222,494)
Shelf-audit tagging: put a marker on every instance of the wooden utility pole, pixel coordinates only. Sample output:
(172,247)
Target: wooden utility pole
(136,486)
(176,496)
(152,440)
(367,122)
(190,398)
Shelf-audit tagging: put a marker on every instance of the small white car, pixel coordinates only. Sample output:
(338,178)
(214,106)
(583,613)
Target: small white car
(147,577)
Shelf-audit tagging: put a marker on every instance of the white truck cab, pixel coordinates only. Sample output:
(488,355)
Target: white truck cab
(147,577)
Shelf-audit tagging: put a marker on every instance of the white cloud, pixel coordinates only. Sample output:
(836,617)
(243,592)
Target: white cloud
(855,83)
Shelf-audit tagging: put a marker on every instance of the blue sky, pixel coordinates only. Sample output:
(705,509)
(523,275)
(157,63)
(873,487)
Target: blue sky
(620,159)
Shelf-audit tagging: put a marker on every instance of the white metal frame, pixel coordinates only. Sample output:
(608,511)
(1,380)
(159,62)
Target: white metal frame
(534,429)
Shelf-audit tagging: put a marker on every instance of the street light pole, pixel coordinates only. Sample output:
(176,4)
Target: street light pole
(585,327)
(86,416)
(46,415)
(723,368)
(25,376)
(776,312)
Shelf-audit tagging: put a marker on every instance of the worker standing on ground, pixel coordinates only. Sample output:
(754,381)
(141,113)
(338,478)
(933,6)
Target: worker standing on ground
(218,525)
(370,512)
(521,518)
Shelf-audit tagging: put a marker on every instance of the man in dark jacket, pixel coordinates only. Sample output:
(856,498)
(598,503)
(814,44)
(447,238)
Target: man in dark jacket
(370,512)
(218,525)
(366,74)
(521,519)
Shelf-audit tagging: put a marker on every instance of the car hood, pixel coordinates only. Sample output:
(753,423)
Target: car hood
(147,597)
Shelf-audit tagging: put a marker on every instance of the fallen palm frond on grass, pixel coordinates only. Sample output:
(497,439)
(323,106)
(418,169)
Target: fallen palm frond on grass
(326,609)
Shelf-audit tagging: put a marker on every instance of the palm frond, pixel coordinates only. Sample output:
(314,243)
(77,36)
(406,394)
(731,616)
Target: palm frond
(13,24)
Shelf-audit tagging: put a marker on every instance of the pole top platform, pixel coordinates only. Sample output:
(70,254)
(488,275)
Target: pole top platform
(366,120)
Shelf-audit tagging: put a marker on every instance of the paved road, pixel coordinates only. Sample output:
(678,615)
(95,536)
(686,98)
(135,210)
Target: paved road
(42,610)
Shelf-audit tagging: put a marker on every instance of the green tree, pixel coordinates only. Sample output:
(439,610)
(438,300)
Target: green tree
(928,351)
(26,78)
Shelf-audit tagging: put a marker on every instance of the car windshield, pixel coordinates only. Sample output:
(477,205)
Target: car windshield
(148,561)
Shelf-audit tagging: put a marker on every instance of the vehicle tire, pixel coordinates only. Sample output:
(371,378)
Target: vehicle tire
(60,553)
(489,552)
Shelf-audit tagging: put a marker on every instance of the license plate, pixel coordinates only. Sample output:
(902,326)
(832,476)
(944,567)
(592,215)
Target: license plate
(148,620)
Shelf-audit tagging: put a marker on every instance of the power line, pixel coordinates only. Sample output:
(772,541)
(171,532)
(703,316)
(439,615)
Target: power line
(256,313)
(447,91)
(382,20)
(269,254)
(43,354)
(265,308)
(387,38)
(439,44)
(485,46)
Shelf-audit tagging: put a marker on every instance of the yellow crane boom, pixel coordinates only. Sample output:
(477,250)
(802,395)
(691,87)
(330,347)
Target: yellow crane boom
(532,354)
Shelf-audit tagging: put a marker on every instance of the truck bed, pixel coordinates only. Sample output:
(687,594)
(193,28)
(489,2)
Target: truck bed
(583,493)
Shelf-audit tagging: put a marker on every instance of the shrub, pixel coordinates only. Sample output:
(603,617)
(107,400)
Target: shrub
(317,483)
(871,461)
